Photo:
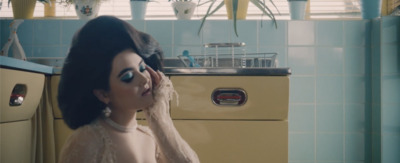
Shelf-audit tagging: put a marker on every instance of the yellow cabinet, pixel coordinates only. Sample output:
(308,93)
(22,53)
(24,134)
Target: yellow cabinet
(20,96)
(245,122)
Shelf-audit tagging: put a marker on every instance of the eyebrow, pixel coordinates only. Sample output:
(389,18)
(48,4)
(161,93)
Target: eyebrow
(128,69)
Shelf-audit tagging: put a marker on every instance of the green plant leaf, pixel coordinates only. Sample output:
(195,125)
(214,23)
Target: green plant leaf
(235,8)
(210,13)
(264,8)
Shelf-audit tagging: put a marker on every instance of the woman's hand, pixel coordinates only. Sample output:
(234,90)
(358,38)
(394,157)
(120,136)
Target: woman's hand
(155,76)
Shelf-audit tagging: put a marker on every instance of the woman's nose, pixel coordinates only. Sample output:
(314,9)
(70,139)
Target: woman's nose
(144,79)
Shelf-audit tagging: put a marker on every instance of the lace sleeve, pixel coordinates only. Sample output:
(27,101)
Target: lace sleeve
(172,145)
(85,145)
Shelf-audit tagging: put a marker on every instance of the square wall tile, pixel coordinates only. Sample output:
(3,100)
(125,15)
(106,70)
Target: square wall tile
(45,28)
(186,32)
(390,148)
(390,89)
(247,32)
(217,31)
(329,33)
(302,89)
(357,33)
(356,118)
(302,118)
(330,61)
(357,89)
(330,147)
(390,118)
(269,35)
(329,89)
(51,51)
(69,28)
(330,118)
(301,147)
(390,29)
(301,60)
(355,144)
(301,33)
(161,30)
(356,61)
(390,58)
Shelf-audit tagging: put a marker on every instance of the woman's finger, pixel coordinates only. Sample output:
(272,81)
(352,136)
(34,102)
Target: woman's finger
(155,77)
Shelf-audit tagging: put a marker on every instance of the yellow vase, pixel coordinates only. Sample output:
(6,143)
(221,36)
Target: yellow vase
(242,9)
(23,9)
(50,9)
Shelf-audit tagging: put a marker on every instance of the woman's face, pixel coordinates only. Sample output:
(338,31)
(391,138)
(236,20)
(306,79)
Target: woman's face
(130,82)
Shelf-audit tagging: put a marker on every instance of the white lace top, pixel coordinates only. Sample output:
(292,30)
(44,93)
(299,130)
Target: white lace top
(93,143)
(98,142)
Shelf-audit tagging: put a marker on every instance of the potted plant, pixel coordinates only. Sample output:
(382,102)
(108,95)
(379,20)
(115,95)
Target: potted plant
(138,9)
(23,9)
(85,9)
(50,9)
(183,9)
(297,9)
(237,9)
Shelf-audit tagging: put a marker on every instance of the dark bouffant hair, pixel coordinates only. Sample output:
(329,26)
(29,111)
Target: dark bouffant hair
(89,62)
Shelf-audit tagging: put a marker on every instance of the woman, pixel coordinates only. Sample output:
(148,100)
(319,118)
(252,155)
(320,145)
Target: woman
(110,73)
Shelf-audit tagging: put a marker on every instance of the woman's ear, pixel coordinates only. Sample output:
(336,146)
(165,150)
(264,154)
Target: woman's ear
(102,95)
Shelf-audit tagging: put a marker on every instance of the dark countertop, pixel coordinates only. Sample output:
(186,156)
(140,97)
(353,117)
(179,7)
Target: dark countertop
(228,71)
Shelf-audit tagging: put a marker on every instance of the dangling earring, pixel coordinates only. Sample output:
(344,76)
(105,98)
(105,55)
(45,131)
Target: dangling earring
(107,112)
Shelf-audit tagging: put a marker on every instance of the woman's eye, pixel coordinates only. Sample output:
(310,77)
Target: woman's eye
(127,77)
(142,68)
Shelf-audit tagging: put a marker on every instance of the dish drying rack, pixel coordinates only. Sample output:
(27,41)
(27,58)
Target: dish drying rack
(232,55)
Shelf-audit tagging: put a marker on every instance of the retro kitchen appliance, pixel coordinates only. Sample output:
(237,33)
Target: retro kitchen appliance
(20,96)
(235,111)
(233,117)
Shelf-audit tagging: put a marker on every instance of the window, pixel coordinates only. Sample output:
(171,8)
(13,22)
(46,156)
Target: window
(318,9)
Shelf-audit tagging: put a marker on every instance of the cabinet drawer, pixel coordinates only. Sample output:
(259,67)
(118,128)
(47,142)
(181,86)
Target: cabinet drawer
(267,97)
(236,141)
(31,88)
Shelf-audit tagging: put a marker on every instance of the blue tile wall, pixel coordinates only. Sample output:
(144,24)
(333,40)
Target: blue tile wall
(340,69)
(68,29)
(329,33)
(385,79)
(376,91)
(301,33)
(390,88)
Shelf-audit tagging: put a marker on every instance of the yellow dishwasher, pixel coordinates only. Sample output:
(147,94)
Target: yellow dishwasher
(233,115)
